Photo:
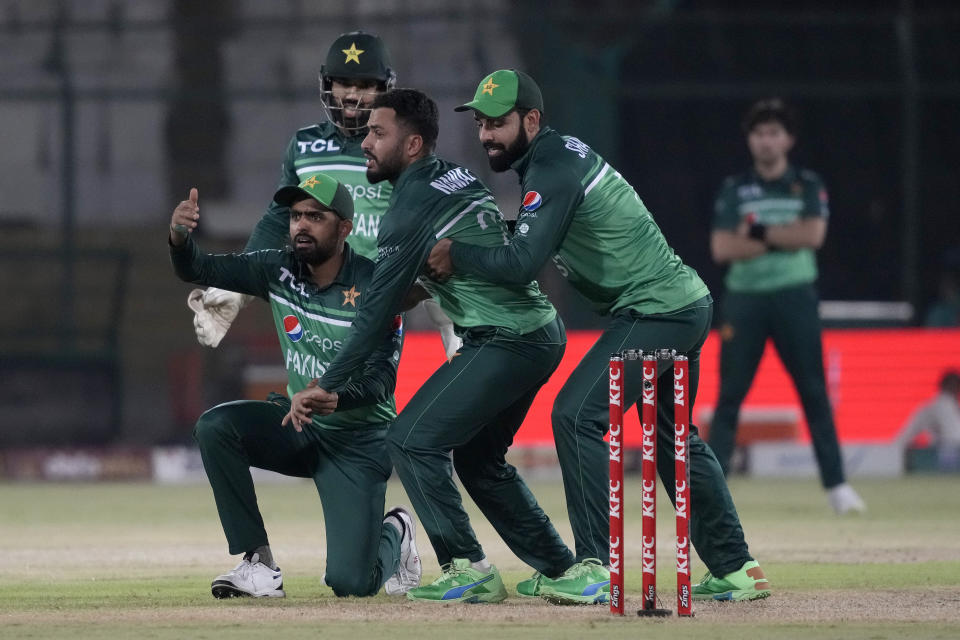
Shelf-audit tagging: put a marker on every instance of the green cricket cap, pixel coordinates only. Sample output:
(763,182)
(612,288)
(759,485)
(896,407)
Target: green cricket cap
(324,189)
(501,91)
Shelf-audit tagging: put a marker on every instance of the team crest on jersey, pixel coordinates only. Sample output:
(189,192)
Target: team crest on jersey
(531,201)
(291,324)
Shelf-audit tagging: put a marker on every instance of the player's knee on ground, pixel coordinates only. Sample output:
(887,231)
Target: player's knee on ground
(351,581)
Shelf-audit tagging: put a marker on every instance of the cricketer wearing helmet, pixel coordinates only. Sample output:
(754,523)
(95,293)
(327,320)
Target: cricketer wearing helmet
(356,69)
(579,211)
(315,290)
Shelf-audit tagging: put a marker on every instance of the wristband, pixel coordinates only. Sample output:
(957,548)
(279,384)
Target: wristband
(758,231)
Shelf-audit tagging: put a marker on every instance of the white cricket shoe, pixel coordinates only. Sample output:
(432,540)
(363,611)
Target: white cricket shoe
(408,571)
(845,500)
(250,578)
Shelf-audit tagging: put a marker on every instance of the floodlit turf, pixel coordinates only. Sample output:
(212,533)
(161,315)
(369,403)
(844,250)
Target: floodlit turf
(136,560)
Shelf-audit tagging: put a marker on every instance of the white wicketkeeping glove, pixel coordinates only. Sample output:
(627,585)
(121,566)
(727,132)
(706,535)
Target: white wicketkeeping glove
(214,311)
(451,341)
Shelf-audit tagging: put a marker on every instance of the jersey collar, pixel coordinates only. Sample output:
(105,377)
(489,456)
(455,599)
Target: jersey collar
(407,174)
(346,275)
(521,164)
(789,176)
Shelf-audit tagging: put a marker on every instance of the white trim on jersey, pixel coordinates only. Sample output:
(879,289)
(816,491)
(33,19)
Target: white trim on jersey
(456,218)
(594,182)
(312,316)
(331,167)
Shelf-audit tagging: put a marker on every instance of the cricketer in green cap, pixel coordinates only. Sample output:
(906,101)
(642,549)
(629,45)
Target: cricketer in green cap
(322,188)
(505,90)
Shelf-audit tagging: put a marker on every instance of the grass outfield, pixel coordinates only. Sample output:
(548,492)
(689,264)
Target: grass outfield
(136,560)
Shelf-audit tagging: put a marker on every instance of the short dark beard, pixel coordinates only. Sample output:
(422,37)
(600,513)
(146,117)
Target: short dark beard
(511,153)
(318,254)
(389,168)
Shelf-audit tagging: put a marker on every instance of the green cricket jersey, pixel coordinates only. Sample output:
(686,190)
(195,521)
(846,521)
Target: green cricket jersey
(312,324)
(435,199)
(798,193)
(579,210)
(324,148)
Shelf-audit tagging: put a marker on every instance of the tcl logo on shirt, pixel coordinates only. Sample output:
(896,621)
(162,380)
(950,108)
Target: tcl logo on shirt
(317,146)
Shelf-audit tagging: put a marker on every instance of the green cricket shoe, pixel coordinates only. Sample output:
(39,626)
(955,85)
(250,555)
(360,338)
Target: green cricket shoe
(748,583)
(530,588)
(460,582)
(587,582)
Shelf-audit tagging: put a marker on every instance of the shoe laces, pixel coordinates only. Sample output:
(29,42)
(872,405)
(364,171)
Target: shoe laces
(448,571)
(588,565)
(706,576)
(244,569)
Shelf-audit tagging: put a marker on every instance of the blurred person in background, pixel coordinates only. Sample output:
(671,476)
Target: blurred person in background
(579,212)
(356,70)
(940,418)
(768,224)
(945,310)
(338,439)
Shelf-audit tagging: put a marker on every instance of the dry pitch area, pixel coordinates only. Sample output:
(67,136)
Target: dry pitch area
(135,561)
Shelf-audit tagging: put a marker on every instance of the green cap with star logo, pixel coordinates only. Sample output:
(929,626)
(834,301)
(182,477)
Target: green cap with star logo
(324,189)
(502,91)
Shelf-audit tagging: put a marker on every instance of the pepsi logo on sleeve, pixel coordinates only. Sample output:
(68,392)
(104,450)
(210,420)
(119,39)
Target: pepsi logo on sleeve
(531,201)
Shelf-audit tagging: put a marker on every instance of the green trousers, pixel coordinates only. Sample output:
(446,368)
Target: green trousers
(472,407)
(581,418)
(790,318)
(350,469)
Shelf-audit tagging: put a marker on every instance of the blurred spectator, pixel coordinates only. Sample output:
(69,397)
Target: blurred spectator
(769,223)
(945,310)
(940,418)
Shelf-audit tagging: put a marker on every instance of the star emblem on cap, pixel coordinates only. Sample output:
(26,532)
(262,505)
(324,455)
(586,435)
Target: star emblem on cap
(353,54)
(350,296)
(311,182)
(489,86)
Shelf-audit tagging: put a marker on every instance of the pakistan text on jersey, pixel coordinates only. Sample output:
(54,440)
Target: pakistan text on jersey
(453,180)
(305,364)
(365,225)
